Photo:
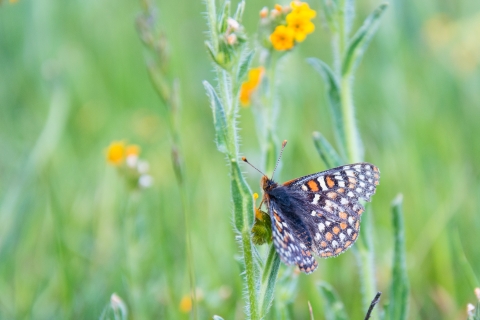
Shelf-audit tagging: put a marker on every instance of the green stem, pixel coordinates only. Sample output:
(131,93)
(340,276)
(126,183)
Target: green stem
(348,111)
(365,252)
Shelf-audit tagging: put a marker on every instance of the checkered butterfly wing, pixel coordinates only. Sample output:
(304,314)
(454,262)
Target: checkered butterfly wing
(319,213)
(290,240)
(330,210)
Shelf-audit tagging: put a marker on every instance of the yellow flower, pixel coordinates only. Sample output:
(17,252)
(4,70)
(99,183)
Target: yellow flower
(300,24)
(302,8)
(255,196)
(282,38)
(186,304)
(116,152)
(249,86)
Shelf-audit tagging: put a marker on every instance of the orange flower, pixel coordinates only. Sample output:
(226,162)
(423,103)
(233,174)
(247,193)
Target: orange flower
(249,86)
(282,38)
(132,150)
(116,153)
(186,304)
(300,24)
(302,8)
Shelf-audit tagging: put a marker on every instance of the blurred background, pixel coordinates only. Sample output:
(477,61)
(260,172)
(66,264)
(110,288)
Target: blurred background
(73,79)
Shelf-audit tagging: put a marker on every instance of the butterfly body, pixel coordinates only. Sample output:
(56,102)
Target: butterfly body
(318,213)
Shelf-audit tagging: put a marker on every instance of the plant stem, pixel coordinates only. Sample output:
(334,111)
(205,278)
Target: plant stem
(365,253)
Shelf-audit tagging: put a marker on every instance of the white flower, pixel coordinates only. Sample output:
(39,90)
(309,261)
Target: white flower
(232,23)
(132,160)
(145,181)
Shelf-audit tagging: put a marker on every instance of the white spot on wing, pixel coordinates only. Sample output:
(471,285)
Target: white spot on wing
(321,180)
(334,243)
(350,173)
(304,187)
(341,184)
(321,227)
(350,194)
(313,213)
(315,199)
(342,237)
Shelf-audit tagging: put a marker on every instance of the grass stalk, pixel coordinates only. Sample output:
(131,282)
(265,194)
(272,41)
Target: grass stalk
(168,92)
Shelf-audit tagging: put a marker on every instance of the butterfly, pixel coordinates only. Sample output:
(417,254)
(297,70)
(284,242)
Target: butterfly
(319,213)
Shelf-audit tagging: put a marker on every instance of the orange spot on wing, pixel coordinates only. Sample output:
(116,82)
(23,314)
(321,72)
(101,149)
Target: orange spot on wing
(328,236)
(338,250)
(330,182)
(312,185)
(332,195)
(357,225)
(323,244)
(347,244)
(351,186)
(341,190)
(359,212)
(352,180)
(343,225)
(354,236)
(336,230)
(343,215)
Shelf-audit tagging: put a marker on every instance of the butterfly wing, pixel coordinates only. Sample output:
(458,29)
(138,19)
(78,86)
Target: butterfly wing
(331,209)
(292,246)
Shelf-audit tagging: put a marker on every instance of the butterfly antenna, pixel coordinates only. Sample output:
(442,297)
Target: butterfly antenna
(284,143)
(245,160)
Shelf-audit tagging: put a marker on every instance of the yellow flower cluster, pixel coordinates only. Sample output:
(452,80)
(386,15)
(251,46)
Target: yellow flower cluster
(298,25)
(249,86)
(118,152)
(126,158)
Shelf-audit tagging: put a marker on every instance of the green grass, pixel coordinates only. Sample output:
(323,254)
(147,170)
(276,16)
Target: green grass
(61,205)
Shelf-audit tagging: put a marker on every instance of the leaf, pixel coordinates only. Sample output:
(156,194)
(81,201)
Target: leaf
(333,92)
(219,118)
(360,41)
(244,65)
(328,154)
(399,287)
(269,278)
(239,13)
(333,306)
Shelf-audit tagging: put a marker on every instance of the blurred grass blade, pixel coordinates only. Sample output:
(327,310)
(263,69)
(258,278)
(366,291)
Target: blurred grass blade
(310,310)
(399,287)
(269,278)
(333,91)
(360,41)
(245,64)
(219,118)
(333,306)
(467,271)
(215,317)
(328,154)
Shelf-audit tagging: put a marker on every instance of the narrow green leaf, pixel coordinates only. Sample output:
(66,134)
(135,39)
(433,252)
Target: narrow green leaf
(242,199)
(328,154)
(219,118)
(223,18)
(269,277)
(244,65)
(360,41)
(329,9)
(333,306)
(239,13)
(333,92)
(399,287)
